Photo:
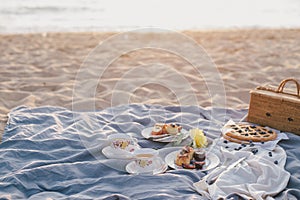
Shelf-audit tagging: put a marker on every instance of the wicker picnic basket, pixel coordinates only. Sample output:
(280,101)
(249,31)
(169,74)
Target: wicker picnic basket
(276,108)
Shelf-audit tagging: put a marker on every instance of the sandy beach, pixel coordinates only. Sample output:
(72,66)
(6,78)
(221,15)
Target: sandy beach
(40,69)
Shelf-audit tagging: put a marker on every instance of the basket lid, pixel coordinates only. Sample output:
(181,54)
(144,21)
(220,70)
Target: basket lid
(271,92)
(279,93)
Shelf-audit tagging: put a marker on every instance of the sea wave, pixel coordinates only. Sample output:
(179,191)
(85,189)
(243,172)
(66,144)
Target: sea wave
(92,15)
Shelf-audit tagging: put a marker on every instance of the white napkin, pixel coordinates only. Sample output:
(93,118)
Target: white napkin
(252,176)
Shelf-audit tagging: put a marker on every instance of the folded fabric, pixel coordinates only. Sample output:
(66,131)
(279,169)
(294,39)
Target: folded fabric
(252,173)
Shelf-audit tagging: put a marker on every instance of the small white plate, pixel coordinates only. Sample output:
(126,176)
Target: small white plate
(159,167)
(212,161)
(110,152)
(146,133)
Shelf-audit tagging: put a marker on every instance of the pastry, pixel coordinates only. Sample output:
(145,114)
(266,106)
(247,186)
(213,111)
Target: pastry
(246,132)
(199,155)
(172,129)
(160,128)
(226,137)
(157,129)
(190,159)
(184,157)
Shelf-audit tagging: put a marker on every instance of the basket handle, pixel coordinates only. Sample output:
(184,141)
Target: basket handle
(282,84)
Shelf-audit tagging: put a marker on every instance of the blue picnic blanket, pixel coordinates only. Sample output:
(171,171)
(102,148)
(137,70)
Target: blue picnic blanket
(55,153)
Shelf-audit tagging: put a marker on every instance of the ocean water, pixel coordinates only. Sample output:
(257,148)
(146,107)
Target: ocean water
(19,16)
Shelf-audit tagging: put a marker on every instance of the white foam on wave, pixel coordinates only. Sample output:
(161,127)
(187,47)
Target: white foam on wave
(92,15)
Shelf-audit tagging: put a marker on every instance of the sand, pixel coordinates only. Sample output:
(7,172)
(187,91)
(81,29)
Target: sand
(41,69)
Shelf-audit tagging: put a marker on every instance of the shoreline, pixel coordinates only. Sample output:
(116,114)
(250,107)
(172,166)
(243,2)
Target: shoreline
(192,30)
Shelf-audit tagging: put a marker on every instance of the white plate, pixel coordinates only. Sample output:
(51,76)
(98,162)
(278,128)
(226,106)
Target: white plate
(212,161)
(110,152)
(146,133)
(159,167)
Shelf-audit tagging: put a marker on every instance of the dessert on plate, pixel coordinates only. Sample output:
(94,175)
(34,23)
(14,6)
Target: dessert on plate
(245,133)
(161,128)
(190,158)
(193,157)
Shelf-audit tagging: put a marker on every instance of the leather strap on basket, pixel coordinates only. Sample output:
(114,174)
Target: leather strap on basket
(282,84)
